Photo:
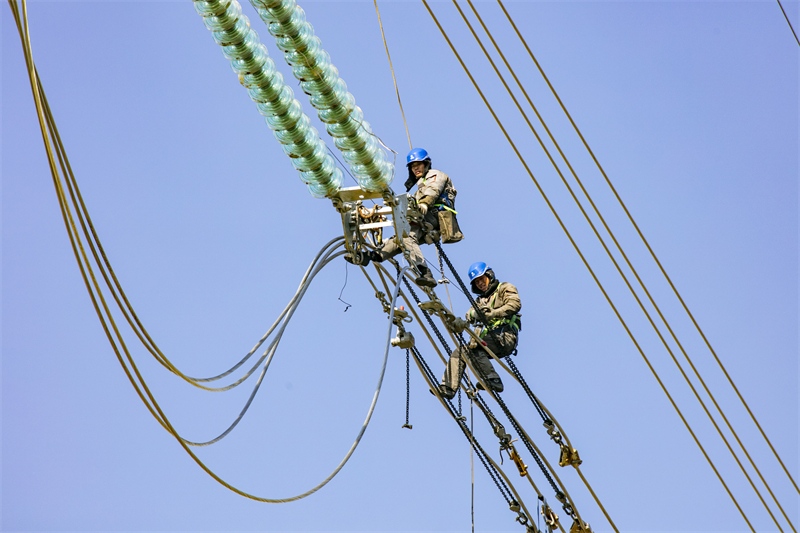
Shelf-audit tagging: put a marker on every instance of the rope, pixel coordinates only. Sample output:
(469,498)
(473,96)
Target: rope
(394,78)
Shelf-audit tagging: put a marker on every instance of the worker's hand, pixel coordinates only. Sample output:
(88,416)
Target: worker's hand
(491,314)
(470,316)
(423,208)
(458,325)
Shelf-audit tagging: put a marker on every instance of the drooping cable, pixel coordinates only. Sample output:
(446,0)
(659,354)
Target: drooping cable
(94,289)
(269,353)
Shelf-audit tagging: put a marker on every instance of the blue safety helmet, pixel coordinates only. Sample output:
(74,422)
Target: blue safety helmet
(417,154)
(477,270)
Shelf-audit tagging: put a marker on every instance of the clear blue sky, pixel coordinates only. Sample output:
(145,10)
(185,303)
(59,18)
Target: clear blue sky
(691,108)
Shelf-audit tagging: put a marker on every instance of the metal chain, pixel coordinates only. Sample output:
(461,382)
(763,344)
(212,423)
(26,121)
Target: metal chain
(408,387)
(482,316)
(559,494)
(479,451)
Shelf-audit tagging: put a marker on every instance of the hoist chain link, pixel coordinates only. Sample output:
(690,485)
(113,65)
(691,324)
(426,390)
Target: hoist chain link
(408,388)
(479,451)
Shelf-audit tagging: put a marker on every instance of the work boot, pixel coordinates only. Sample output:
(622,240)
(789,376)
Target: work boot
(446,392)
(495,384)
(425,279)
(363,257)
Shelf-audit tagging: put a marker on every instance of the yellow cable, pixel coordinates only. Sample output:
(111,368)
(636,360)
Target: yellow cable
(592,273)
(630,265)
(647,245)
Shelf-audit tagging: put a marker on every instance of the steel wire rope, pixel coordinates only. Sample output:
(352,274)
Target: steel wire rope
(98,300)
(789,22)
(391,68)
(647,245)
(616,265)
(544,413)
(484,407)
(633,270)
(518,376)
(569,236)
(547,470)
(497,475)
(476,399)
(432,382)
(431,378)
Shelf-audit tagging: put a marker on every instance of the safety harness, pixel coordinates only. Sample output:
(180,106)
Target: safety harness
(514,322)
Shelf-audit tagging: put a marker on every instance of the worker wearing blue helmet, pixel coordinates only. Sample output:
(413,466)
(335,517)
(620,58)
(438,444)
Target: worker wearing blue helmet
(434,192)
(496,314)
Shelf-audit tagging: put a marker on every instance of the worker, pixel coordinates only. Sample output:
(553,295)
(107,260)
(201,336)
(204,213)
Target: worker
(434,192)
(500,305)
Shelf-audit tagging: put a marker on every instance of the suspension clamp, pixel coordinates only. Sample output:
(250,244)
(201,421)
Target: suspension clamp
(569,456)
(579,526)
(522,467)
(550,517)
(404,339)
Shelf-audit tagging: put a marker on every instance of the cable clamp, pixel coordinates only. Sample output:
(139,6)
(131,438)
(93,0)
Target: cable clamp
(521,466)
(550,517)
(569,456)
(579,526)
(400,315)
(404,339)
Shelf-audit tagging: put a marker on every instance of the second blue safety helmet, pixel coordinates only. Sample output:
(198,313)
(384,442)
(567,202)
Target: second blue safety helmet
(477,270)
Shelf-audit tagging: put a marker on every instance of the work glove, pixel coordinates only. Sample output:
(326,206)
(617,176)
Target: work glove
(423,208)
(471,318)
(458,325)
(491,314)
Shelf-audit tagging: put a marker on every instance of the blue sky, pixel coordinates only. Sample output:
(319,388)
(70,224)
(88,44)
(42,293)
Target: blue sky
(691,108)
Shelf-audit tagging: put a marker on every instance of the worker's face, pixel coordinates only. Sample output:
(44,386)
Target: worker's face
(418,168)
(481,282)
